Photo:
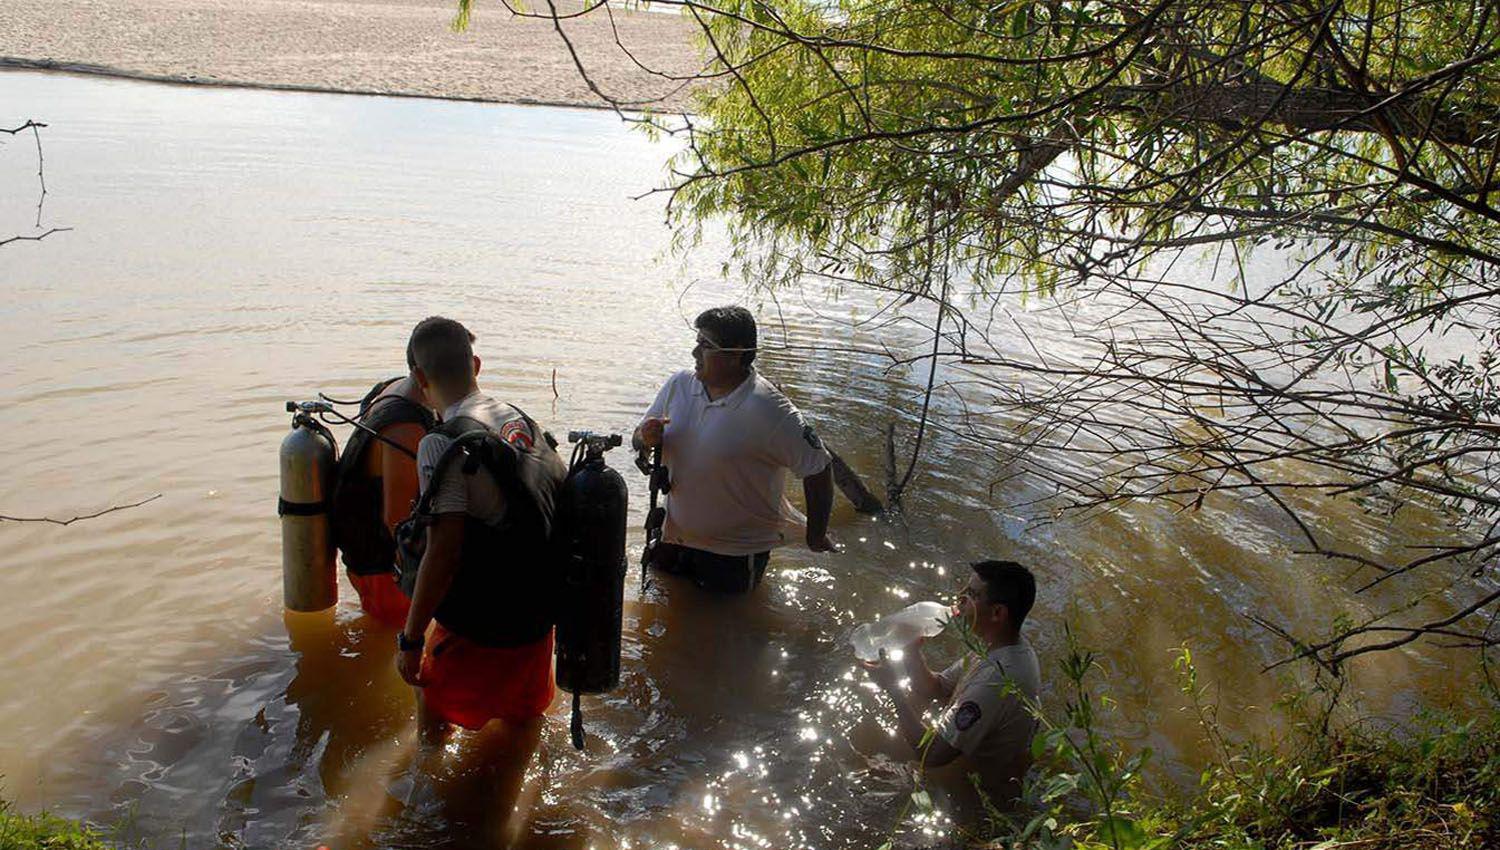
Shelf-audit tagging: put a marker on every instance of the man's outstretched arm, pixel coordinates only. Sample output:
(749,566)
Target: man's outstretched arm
(817,489)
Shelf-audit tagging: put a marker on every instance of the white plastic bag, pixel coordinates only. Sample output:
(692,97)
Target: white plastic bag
(893,631)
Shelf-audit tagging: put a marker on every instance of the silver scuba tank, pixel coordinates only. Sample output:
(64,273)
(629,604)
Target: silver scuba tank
(309,579)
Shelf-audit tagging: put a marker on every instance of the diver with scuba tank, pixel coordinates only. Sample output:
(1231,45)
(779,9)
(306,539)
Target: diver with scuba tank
(727,438)
(376,486)
(475,553)
(350,503)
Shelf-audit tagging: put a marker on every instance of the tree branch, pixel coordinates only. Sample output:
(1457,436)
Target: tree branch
(95,515)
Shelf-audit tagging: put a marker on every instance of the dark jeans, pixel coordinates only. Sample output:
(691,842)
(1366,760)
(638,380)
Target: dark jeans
(719,573)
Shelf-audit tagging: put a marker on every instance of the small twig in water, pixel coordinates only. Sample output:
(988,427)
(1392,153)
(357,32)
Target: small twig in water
(36,238)
(109,510)
(27,126)
(36,131)
(40,177)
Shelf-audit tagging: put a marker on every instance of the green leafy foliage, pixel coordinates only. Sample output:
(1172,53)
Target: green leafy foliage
(45,832)
(1083,149)
(846,128)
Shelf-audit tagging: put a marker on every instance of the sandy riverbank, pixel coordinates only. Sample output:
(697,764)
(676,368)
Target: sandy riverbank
(367,46)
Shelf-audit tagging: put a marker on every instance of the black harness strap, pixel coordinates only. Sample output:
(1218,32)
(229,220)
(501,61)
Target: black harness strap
(285,508)
(501,595)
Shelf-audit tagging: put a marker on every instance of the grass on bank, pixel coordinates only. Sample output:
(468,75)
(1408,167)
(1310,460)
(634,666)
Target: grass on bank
(45,832)
(1432,784)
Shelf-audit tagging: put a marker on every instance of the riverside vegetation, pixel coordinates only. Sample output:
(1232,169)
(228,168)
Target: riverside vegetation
(45,831)
(1280,213)
(1329,781)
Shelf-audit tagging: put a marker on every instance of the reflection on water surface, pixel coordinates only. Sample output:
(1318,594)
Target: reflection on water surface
(236,248)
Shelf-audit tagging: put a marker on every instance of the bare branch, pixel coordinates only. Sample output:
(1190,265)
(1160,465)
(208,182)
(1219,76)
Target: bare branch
(37,238)
(95,515)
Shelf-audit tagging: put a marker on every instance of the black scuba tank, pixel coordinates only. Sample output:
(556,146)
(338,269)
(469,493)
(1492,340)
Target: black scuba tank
(591,549)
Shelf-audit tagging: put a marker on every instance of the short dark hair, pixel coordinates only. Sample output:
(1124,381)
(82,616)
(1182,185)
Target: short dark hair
(732,327)
(442,348)
(1010,584)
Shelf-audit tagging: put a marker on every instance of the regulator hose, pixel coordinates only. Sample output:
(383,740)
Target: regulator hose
(344,420)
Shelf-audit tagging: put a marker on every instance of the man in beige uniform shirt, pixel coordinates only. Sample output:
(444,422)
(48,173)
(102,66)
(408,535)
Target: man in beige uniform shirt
(985,723)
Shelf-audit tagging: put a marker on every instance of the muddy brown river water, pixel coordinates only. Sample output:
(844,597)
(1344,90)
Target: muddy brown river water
(232,249)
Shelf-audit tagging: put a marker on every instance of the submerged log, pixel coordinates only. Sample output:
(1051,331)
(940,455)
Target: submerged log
(892,486)
(854,488)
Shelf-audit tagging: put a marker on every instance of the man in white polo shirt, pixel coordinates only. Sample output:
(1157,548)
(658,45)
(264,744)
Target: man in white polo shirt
(985,724)
(728,439)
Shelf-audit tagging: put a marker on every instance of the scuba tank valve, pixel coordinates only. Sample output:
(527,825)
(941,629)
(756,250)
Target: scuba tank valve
(591,517)
(309,580)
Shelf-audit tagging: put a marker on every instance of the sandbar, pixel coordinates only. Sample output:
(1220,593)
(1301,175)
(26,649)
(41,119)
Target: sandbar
(392,47)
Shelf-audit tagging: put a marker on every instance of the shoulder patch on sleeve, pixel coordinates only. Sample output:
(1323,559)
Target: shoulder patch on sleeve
(966,716)
(811,437)
(517,434)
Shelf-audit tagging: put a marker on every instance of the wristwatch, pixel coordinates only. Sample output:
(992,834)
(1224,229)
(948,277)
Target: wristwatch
(404,644)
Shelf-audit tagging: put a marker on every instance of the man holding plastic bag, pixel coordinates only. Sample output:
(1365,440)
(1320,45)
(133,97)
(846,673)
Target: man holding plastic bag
(985,722)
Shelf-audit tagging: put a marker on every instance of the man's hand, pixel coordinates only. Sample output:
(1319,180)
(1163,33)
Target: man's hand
(912,650)
(885,673)
(822,543)
(650,432)
(409,665)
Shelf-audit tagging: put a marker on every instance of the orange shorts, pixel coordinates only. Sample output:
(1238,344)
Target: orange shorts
(381,597)
(470,684)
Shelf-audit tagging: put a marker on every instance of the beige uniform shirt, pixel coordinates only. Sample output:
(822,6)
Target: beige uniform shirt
(728,460)
(477,495)
(987,720)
